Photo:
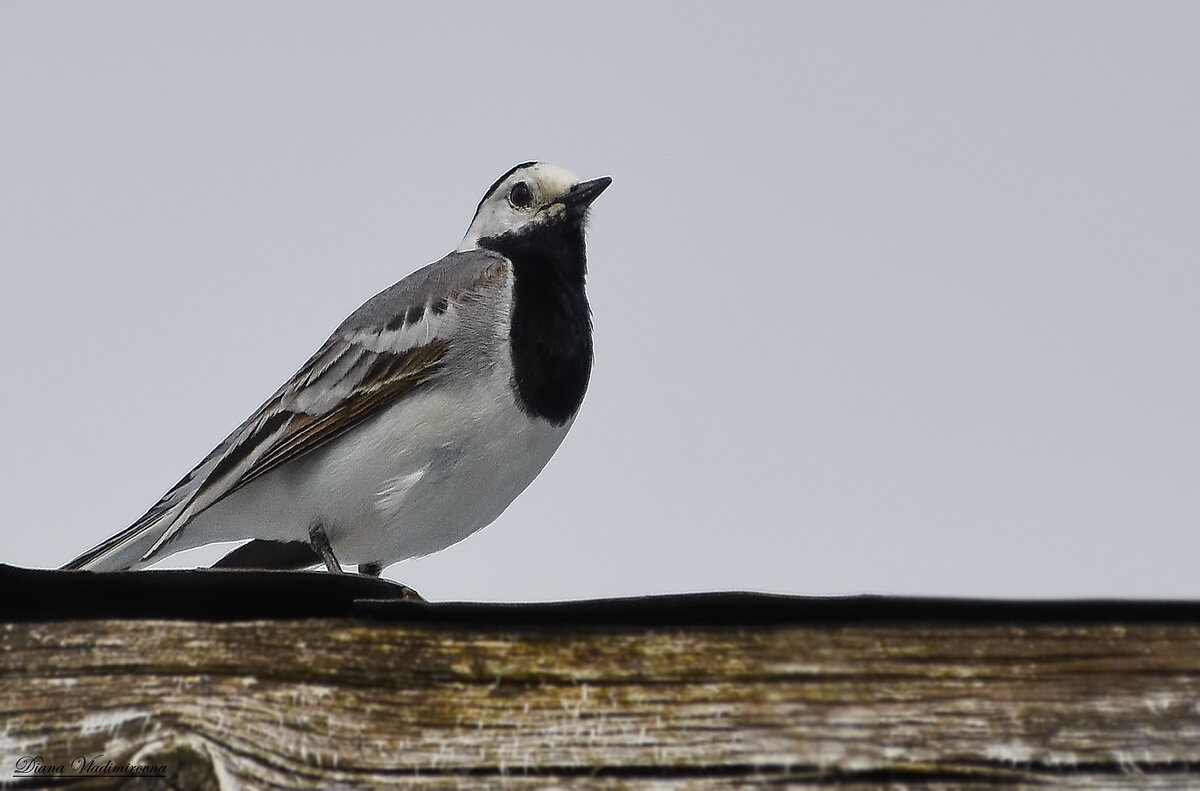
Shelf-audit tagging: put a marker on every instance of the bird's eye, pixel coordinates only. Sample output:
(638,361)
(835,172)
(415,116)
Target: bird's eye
(520,196)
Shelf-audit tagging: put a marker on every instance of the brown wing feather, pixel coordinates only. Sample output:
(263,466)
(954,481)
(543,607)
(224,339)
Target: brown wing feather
(390,377)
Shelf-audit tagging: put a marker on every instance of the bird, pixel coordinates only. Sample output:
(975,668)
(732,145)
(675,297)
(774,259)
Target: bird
(420,419)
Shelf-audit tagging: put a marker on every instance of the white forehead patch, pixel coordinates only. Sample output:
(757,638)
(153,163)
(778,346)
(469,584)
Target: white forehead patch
(496,215)
(544,177)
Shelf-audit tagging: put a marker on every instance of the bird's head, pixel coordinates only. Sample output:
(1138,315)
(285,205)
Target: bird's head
(532,198)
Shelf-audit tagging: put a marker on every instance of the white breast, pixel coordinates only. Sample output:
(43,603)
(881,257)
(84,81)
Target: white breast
(453,462)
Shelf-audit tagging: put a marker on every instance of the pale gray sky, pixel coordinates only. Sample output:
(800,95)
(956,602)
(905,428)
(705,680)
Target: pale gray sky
(889,297)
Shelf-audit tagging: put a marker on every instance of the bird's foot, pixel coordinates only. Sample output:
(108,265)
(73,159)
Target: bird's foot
(375,569)
(408,594)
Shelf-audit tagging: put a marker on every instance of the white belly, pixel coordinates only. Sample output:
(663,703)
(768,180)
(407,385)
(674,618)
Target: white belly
(422,475)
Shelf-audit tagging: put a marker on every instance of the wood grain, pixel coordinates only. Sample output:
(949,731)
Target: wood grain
(331,703)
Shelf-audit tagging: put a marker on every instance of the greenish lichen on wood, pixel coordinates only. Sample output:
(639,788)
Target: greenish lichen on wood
(351,704)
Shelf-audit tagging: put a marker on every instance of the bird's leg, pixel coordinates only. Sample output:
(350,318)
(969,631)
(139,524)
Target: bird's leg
(370,569)
(320,545)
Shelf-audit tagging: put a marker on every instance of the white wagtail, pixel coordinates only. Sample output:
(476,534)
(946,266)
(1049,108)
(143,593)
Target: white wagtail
(421,418)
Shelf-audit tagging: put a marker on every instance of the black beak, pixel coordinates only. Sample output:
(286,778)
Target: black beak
(581,195)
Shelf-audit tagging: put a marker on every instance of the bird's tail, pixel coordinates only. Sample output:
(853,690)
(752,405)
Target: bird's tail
(128,549)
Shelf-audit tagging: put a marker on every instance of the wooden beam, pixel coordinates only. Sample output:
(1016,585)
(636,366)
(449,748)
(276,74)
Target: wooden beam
(716,691)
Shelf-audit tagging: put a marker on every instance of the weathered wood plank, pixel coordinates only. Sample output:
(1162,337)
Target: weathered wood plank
(353,704)
(422,703)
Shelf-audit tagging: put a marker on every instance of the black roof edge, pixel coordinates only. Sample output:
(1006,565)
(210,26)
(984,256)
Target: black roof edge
(33,595)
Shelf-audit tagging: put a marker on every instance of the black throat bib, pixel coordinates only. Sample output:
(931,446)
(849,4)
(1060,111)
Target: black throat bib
(551,335)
